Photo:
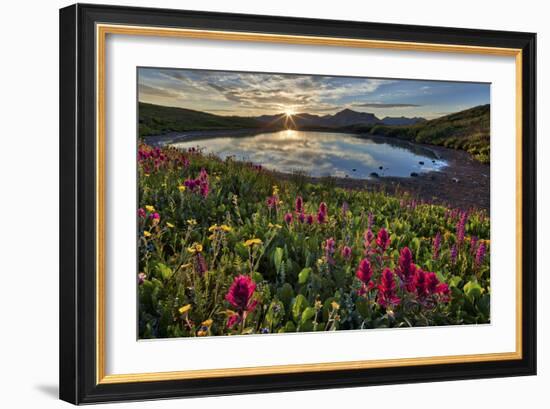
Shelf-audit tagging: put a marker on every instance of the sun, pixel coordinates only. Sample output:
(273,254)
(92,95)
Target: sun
(289,112)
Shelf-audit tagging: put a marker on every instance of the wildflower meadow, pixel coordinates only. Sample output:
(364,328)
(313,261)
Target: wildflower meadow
(230,248)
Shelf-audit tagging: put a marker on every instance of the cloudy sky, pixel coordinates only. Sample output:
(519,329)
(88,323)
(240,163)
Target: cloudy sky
(252,94)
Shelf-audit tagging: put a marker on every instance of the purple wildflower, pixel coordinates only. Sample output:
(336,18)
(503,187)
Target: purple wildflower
(454,254)
(436,246)
(142,213)
(370,221)
(473,245)
(288,218)
(329,248)
(480,254)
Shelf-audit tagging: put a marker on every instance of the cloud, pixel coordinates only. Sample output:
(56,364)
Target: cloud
(383,105)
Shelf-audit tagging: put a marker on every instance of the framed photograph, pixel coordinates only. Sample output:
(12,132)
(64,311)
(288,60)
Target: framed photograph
(257,203)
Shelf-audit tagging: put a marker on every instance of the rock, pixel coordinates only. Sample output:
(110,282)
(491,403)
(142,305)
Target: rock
(421,162)
(380,167)
(374,175)
(354,170)
(433,160)
(414,174)
(456,180)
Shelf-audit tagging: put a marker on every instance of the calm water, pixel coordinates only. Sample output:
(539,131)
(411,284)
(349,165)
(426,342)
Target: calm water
(323,153)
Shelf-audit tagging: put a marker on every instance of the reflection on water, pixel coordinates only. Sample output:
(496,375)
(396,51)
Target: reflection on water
(324,153)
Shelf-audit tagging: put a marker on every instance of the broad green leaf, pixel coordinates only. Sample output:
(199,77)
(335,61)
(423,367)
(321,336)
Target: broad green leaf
(278,257)
(473,289)
(300,303)
(304,275)
(164,271)
(308,314)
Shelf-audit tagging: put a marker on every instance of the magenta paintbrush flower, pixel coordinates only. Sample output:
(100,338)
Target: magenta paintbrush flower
(321,217)
(364,271)
(406,269)
(142,213)
(368,237)
(241,292)
(288,218)
(299,205)
(309,219)
(383,239)
(323,208)
(346,252)
(420,283)
(301,218)
(387,295)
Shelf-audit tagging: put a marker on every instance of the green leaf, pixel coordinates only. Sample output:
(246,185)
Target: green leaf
(300,303)
(273,317)
(278,257)
(304,275)
(257,277)
(285,294)
(473,289)
(362,306)
(308,314)
(164,271)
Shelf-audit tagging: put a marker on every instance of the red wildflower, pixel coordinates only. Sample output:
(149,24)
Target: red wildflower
(299,204)
(364,271)
(383,239)
(240,293)
(387,295)
(406,269)
(288,218)
(346,252)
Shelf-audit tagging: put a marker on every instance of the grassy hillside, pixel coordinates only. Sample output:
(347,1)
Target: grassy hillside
(156,120)
(467,130)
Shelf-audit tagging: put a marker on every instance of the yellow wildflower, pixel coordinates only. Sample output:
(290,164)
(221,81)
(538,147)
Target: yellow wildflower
(335,305)
(185,309)
(170,225)
(213,227)
(226,228)
(181,188)
(147,233)
(150,208)
(195,248)
(275,190)
(274,226)
(191,222)
(207,323)
(252,242)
